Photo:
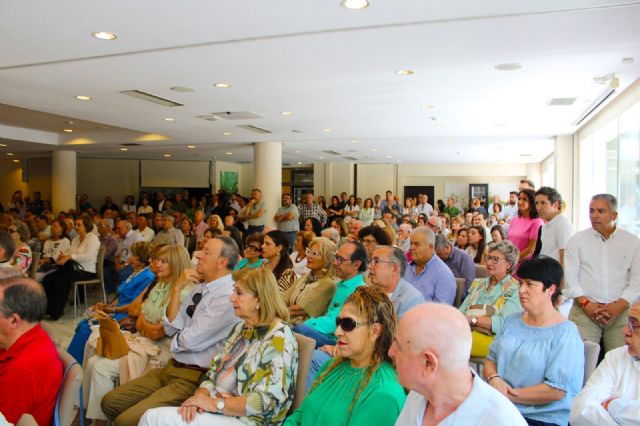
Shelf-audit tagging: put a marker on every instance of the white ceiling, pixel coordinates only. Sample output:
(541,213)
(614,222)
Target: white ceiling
(333,67)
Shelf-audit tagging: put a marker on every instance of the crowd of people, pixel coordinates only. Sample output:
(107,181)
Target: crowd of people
(211,299)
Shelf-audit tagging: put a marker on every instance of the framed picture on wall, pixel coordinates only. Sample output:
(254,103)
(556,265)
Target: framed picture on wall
(229,181)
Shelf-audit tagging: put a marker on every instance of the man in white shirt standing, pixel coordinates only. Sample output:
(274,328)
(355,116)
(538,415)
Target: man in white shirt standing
(557,230)
(431,354)
(510,210)
(602,274)
(423,205)
(287,219)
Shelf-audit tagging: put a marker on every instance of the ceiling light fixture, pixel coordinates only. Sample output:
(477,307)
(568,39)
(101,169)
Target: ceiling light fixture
(228,153)
(355,141)
(320,158)
(286,113)
(374,149)
(68,130)
(83,98)
(181,89)
(326,130)
(389,156)
(104,35)
(227,133)
(10,154)
(299,162)
(404,72)
(509,66)
(426,106)
(16,161)
(124,149)
(169,119)
(167,155)
(191,146)
(222,85)
(354,4)
(298,152)
(4,145)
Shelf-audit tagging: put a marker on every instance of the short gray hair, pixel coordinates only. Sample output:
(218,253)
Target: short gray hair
(127,224)
(229,250)
(332,234)
(610,199)
(399,258)
(510,252)
(429,235)
(442,242)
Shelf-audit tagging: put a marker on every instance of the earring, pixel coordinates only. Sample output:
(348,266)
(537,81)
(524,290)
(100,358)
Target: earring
(258,307)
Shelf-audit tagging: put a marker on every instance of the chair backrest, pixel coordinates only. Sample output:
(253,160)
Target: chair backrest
(481,271)
(459,292)
(591,353)
(69,393)
(306,346)
(35,259)
(27,420)
(100,264)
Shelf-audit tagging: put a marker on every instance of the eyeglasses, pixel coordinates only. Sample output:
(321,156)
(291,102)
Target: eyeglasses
(494,259)
(253,248)
(339,259)
(633,325)
(192,308)
(348,324)
(310,252)
(374,261)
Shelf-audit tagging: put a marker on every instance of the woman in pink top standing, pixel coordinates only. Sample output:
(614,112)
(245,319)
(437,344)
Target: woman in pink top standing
(523,230)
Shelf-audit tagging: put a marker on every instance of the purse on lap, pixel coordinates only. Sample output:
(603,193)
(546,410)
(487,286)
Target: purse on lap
(111,343)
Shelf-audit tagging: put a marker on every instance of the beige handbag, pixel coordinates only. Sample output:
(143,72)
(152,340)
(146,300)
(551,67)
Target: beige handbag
(111,343)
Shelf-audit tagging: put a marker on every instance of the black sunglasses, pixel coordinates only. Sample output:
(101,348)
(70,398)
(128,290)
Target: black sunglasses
(192,308)
(348,324)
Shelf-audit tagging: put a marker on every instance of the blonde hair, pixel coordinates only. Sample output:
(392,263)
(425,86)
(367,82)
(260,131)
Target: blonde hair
(220,222)
(262,283)
(327,250)
(177,257)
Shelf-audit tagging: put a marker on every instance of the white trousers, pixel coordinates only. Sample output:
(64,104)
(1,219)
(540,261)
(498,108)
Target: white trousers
(168,416)
(99,377)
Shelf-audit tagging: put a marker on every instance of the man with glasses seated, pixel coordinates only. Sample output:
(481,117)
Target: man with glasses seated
(612,394)
(199,327)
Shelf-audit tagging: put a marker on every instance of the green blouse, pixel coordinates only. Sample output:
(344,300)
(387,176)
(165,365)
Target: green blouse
(380,403)
(156,302)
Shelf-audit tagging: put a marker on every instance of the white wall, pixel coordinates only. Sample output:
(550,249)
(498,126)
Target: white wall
(99,177)
(333,178)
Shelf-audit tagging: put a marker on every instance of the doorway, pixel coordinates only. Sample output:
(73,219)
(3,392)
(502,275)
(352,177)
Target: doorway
(413,191)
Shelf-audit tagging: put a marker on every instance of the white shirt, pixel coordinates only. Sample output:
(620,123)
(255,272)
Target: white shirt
(510,211)
(424,208)
(484,406)
(603,270)
(618,375)
(86,252)
(53,249)
(555,235)
(147,235)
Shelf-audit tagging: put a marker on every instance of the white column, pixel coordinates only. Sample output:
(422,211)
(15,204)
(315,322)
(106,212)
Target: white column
(564,173)
(268,178)
(63,180)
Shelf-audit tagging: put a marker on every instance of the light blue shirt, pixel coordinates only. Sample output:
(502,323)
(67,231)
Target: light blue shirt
(405,297)
(527,356)
(436,281)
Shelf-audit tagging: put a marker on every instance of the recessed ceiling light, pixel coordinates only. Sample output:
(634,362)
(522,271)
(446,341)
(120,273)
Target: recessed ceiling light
(191,146)
(227,133)
(628,60)
(16,161)
(354,4)
(326,130)
(404,72)
(181,89)
(83,98)
(510,66)
(298,152)
(374,149)
(286,113)
(124,149)
(299,162)
(389,156)
(167,155)
(399,161)
(228,153)
(103,35)
(68,130)
(10,154)
(169,119)
(320,158)
(3,145)
(222,85)
(355,141)
(426,106)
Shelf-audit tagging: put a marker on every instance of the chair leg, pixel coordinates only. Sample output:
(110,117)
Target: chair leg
(75,300)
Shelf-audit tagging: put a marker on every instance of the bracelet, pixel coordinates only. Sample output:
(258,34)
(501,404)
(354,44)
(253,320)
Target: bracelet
(584,303)
(492,377)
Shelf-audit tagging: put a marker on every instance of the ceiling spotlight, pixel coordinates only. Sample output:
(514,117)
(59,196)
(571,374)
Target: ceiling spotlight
(103,35)
(228,153)
(169,119)
(404,72)
(389,156)
(510,66)
(222,85)
(124,149)
(355,141)
(181,89)
(68,130)
(326,130)
(374,149)
(286,113)
(10,154)
(16,161)
(191,146)
(298,152)
(354,4)
(299,162)
(426,106)
(167,155)
(320,158)
(4,145)
(83,98)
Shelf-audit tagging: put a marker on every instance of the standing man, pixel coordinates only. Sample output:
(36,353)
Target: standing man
(199,327)
(389,205)
(510,210)
(427,272)
(451,209)
(309,208)
(160,207)
(458,260)
(431,355)
(423,206)
(288,219)
(109,244)
(254,212)
(169,234)
(602,274)
(557,230)
(30,367)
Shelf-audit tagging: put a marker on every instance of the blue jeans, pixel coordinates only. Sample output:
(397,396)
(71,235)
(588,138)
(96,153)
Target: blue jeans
(291,236)
(320,338)
(318,360)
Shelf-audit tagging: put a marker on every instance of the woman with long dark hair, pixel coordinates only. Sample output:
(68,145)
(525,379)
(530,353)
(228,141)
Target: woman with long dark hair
(275,249)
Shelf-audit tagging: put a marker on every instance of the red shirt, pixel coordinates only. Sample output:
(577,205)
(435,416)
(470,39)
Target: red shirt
(30,377)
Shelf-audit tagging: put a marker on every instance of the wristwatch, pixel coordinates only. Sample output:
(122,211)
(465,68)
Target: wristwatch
(220,405)
(474,320)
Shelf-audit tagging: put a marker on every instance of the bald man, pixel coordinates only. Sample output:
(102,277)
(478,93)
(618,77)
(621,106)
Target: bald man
(431,354)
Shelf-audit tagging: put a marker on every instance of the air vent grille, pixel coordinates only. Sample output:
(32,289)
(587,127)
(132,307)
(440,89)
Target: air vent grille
(350,158)
(255,129)
(561,101)
(332,153)
(130,144)
(144,96)
(235,115)
(208,117)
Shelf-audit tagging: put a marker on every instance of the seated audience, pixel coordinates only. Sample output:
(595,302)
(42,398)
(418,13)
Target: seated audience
(462,241)
(477,245)
(459,261)
(426,271)
(215,222)
(169,235)
(354,229)
(537,360)
(351,209)
(275,251)
(189,234)
(492,299)
(372,237)
(22,255)
(199,329)
(359,386)
(252,378)
(30,368)
(403,237)
(79,264)
(431,355)
(299,255)
(143,230)
(145,208)
(56,245)
(612,394)
(129,205)
(331,234)
(498,234)
(252,252)
(311,224)
(7,247)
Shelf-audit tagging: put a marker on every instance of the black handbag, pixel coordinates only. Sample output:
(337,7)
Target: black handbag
(70,266)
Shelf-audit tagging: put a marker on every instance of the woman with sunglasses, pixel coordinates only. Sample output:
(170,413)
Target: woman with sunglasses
(359,386)
(492,299)
(537,361)
(275,250)
(252,378)
(22,256)
(252,252)
(146,312)
(310,295)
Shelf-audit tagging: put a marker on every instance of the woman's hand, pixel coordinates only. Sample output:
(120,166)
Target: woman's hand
(62,259)
(329,350)
(502,386)
(198,403)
